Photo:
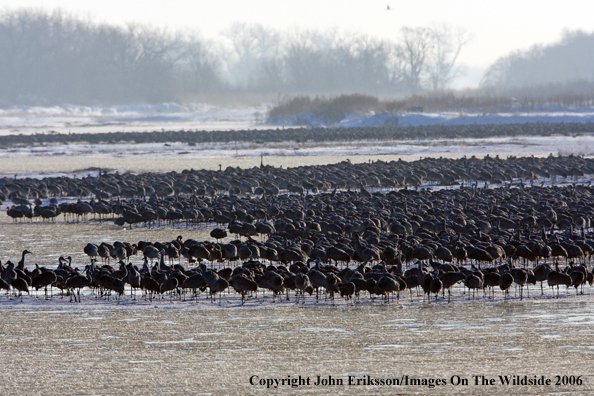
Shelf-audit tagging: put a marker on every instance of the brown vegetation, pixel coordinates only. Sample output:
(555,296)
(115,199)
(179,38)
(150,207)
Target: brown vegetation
(332,109)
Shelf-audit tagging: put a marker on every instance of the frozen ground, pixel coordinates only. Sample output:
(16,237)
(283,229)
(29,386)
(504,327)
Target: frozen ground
(139,118)
(171,116)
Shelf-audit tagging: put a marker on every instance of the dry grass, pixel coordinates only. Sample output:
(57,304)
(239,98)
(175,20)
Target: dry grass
(332,109)
(486,100)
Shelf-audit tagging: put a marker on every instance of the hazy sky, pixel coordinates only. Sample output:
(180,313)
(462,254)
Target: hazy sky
(498,26)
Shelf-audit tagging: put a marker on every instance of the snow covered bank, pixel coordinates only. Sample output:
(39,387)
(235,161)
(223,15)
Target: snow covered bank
(68,118)
(444,118)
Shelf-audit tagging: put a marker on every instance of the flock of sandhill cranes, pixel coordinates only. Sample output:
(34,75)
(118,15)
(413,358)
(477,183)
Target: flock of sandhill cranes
(253,276)
(202,196)
(386,133)
(276,230)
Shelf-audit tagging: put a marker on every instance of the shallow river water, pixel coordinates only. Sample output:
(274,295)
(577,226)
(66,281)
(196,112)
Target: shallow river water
(157,350)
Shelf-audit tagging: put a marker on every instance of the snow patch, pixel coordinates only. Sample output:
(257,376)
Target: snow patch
(68,118)
(462,117)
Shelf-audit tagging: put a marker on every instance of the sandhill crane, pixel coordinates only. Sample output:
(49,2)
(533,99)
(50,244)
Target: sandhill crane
(303,284)
(110,284)
(78,281)
(520,277)
(44,279)
(577,279)
(243,285)
(424,280)
(150,252)
(317,279)
(121,273)
(172,252)
(199,252)
(195,282)
(4,285)
(272,281)
(169,285)
(9,273)
(218,286)
(218,234)
(347,290)
(435,285)
(103,251)
(360,285)
(133,279)
(225,273)
(150,285)
(444,254)
(338,255)
(229,252)
(21,264)
(387,285)
(449,279)
(332,282)
(118,252)
(556,278)
(574,251)
(541,273)
(473,282)
(162,266)
(558,251)
(505,281)
(20,285)
(91,250)
(490,280)
(578,275)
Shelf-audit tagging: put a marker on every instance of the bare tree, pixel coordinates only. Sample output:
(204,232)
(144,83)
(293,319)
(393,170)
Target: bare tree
(198,66)
(155,54)
(268,73)
(334,62)
(55,58)
(568,60)
(395,66)
(500,72)
(447,43)
(304,61)
(414,49)
(252,45)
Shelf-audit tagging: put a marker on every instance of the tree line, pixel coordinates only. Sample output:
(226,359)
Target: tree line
(54,57)
(563,63)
